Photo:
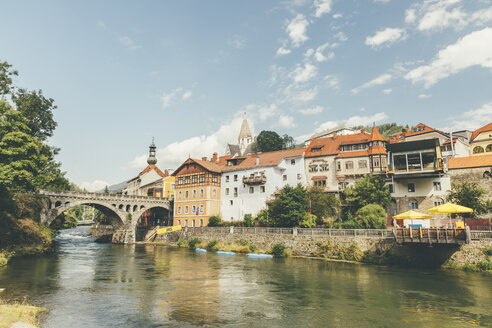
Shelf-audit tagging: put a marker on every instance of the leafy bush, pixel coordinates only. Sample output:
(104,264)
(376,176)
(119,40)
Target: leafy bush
(248,220)
(214,221)
(181,243)
(485,265)
(253,248)
(211,244)
(350,224)
(263,219)
(308,221)
(243,242)
(193,242)
(488,251)
(371,216)
(278,249)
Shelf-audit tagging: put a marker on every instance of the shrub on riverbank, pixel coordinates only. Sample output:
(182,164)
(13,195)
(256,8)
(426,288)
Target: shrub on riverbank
(278,249)
(193,242)
(14,312)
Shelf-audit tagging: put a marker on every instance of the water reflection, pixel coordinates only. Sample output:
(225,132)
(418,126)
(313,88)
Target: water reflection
(91,285)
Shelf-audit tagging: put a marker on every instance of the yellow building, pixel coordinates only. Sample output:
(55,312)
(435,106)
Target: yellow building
(163,188)
(197,195)
(481,140)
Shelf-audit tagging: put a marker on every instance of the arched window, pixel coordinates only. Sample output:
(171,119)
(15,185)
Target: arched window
(478,150)
(489,148)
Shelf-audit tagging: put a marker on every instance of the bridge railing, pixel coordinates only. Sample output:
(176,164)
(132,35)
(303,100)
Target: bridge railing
(85,193)
(430,235)
(481,235)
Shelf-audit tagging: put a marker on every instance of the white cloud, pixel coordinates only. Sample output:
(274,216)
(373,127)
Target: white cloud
(388,35)
(387,91)
(237,41)
(311,111)
(299,95)
(95,185)
(381,1)
(333,81)
(337,16)
(353,121)
(436,14)
(283,51)
(481,16)
(266,112)
(129,43)
(474,49)
(472,119)
(296,29)
(304,73)
(320,57)
(322,7)
(410,15)
(286,121)
(169,99)
(341,36)
(327,125)
(381,79)
(424,96)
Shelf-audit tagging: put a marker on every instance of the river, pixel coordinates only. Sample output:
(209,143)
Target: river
(85,284)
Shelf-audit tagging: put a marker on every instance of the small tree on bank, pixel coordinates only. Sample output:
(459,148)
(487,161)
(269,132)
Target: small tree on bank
(290,207)
(214,221)
(470,195)
(371,216)
(323,205)
(367,190)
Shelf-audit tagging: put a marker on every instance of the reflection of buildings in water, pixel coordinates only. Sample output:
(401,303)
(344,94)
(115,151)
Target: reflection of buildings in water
(191,292)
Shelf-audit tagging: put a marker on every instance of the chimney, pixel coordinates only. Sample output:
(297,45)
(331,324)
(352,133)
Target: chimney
(204,159)
(214,158)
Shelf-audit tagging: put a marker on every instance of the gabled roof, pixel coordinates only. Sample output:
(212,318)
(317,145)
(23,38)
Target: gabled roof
(151,167)
(419,129)
(470,162)
(233,149)
(209,166)
(331,145)
(375,136)
(475,133)
(272,158)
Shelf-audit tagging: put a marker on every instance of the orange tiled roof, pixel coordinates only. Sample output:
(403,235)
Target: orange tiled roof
(319,177)
(357,153)
(405,134)
(377,150)
(470,161)
(331,145)
(151,167)
(375,135)
(475,133)
(272,158)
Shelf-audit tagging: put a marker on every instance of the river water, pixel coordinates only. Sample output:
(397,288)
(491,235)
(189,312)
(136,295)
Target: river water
(84,284)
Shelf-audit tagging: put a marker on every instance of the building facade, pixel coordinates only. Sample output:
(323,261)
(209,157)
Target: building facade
(197,195)
(247,182)
(481,141)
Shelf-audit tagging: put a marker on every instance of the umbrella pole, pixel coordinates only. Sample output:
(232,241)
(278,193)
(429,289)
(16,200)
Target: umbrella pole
(450,223)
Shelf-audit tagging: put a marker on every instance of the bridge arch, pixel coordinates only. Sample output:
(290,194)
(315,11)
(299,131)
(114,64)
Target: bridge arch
(154,215)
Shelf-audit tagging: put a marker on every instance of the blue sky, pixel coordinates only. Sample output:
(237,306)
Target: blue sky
(122,72)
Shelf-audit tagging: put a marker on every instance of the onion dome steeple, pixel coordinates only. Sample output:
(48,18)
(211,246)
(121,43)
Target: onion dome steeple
(152,160)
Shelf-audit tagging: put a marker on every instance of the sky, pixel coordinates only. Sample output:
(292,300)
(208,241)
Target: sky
(185,72)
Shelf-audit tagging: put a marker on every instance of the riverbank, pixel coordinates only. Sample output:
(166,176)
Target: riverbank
(476,256)
(11,313)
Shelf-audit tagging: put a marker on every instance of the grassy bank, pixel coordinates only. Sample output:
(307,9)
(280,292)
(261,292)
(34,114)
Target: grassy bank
(14,312)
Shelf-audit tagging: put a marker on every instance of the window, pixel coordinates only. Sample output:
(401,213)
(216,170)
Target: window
(231,202)
(413,205)
(195,178)
(214,193)
(391,188)
(362,164)
(324,167)
(214,178)
(349,165)
(354,147)
(186,194)
(180,181)
(201,222)
(179,222)
(284,177)
(194,193)
(478,150)
(316,149)
(187,180)
(179,194)
(193,209)
(411,187)
(439,202)
(313,168)
(251,190)
(186,223)
(202,177)
(262,188)
(227,178)
(320,183)
(179,209)
(489,148)
(192,223)
(235,192)
(437,185)
(201,193)
(292,162)
(227,191)
(235,177)
(172,197)
(339,166)
(186,209)
(201,209)
(342,185)
(172,186)
(376,162)
(299,176)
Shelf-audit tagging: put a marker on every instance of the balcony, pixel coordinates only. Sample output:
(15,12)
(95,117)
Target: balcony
(255,180)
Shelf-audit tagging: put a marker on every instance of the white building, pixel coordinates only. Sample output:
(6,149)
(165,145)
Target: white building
(247,182)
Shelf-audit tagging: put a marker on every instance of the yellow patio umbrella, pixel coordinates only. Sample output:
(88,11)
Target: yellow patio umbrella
(450,208)
(412,215)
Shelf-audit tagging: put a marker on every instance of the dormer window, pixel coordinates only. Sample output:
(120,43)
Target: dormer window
(316,149)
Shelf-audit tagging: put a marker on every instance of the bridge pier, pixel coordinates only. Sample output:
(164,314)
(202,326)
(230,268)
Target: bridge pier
(126,235)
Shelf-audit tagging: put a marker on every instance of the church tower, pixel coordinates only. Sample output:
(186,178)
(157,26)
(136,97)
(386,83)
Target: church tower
(152,160)
(245,138)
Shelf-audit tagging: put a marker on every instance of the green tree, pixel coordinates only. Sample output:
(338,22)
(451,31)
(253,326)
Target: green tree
(371,216)
(6,74)
(268,141)
(367,190)
(290,207)
(214,221)
(248,220)
(288,142)
(324,205)
(469,195)
(263,218)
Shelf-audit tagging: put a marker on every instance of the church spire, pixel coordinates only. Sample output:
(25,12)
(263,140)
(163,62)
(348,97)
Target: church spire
(152,160)
(245,132)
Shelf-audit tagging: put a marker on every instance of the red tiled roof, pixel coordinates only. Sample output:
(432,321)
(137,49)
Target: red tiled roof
(405,134)
(470,161)
(475,133)
(375,150)
(266,159)
(375,136)
(331,145)
(210,166)
(357,153)
(151,167)
(319,177)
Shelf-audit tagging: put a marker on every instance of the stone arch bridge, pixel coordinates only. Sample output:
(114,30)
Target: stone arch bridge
(123,211)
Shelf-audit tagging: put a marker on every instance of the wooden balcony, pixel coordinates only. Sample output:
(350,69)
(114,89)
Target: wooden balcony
(255,180)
